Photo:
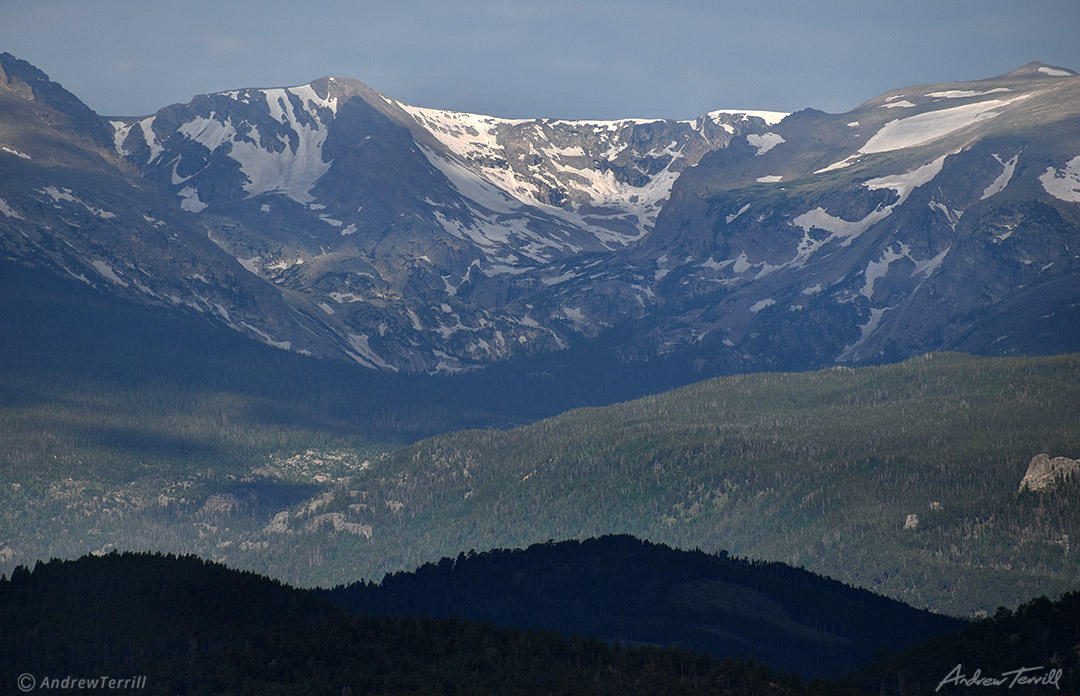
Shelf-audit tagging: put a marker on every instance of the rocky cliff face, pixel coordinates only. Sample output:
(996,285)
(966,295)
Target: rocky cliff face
(1044,473)
(334,220)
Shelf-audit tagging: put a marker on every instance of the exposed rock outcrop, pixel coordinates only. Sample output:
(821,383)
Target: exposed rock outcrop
(1044,473)
(337,519)
(220,504)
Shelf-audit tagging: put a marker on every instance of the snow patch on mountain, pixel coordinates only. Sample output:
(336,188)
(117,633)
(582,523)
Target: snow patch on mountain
(927,267)
(466,135)
(847,231)
(846,162)
(484,174)
(765,141)
(866,331)
(190,200)
(66,195)
(576,316)
(364,353)
(932,125)
(837,227)
(288,164)
(8,211)
(294,169)
(1063,184)
(762,304)
(107,272)
(562,278)
(472,185)
(742,263)
(209,132)
(575,170)
(877,269)
(265,337)
(731,218)
(146,127)
(965,93)
(905,183)
(771,118)
(1002,180)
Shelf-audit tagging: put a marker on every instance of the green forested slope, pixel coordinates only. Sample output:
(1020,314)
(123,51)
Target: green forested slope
(817,469)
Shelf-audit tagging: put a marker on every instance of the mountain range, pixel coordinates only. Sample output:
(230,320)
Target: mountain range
(332,220)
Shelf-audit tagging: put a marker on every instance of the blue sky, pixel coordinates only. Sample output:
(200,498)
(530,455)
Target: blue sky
(561,58)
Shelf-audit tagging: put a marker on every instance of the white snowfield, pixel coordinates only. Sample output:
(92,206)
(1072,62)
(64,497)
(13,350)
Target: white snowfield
(67,196)
(1003,179)
(771,118)
(13,151)
(189,200)
(8,211)
(1063,184)
(927,127)
(764,142)
(965,93)
(879,268)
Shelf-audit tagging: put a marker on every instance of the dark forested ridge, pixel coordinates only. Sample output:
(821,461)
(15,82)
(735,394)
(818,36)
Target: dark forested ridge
(619,588)
(190,626)
(193,627)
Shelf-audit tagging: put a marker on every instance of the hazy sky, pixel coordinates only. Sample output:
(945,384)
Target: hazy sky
(559,58)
